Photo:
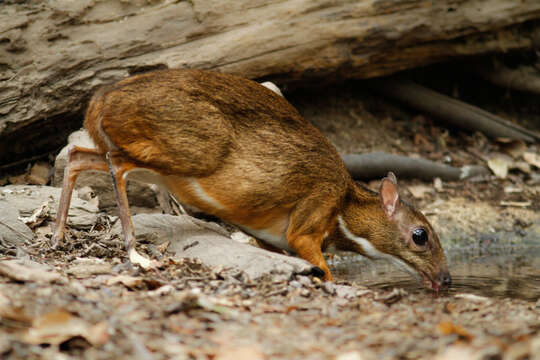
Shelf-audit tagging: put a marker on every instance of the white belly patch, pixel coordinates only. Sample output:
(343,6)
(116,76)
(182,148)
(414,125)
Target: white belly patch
(262,234)
(199,192)
(148,176)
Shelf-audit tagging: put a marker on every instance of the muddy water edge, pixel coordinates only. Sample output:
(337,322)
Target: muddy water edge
(502,272)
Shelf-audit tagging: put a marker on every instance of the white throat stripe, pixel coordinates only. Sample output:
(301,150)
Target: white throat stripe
(371,251)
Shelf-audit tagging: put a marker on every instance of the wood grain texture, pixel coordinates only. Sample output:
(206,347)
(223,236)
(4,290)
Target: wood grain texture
(54,55)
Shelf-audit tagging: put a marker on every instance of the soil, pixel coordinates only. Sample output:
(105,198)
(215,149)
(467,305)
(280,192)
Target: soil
(83,301)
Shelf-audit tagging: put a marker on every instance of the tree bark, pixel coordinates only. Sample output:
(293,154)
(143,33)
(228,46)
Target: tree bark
(53,55)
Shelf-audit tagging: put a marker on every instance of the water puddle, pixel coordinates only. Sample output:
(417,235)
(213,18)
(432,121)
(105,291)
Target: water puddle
(506,273)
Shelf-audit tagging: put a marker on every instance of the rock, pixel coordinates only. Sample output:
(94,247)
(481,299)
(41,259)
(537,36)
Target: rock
(29,271)
(83,268)
(345,291)
(305,281)
(18,179)
(193,238)
(13,230)
(139,194)
(22,200)
(39,174)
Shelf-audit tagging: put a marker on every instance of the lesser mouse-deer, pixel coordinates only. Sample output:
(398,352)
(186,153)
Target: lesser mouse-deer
(237,150)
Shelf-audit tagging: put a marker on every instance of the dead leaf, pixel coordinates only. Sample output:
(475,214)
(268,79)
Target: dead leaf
(504,140)
(14,318)
(499,165)
(419,191)
(351,355)
(240,353)
(510,189)
(131,282)
(522,166)
(86,270)
(449,308)
(457,352)
(163,247)
(39,174)
(420,140)
(18,180)
(394,296)
(161,291)
(135,283)
(532,159)
(513,147)
(26,270)
(448,328)
(516,203)
(438,184)
(38,216)
(59,326)
(472,297)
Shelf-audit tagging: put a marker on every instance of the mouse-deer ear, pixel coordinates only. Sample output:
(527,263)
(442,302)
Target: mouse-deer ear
(389,195)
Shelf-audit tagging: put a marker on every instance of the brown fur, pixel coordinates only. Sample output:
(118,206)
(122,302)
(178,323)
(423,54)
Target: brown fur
(251,152)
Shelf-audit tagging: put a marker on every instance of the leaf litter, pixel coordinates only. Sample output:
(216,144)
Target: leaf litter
(104,308)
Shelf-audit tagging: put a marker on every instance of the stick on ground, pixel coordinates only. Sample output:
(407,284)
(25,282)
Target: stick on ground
(452,111)
(376,165)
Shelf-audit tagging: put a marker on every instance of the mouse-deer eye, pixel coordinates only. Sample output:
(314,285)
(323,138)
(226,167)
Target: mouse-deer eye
(420,236)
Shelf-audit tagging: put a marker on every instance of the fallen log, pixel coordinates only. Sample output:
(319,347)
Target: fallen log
(54,54)
(377,164)
(450,110)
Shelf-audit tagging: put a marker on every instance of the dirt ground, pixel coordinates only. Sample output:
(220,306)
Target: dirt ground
(81,301)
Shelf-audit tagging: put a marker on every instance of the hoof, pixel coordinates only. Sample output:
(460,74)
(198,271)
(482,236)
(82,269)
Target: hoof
(318,272)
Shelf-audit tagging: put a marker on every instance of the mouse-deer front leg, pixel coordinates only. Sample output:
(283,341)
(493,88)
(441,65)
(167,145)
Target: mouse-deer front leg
(79,159)
(308,247)
(309,224)
(119,167)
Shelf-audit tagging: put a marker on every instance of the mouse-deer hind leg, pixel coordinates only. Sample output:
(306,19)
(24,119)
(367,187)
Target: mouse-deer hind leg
(119,166)
(79,159)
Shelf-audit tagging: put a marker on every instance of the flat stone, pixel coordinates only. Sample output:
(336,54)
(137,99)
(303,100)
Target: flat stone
(39,174)
(29,271)
(22,200)
(12,230)
(193,238)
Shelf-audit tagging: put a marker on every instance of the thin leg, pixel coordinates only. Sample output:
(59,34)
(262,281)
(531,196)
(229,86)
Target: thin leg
(79,159)
(118,168)
(308,247)
(310,222)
